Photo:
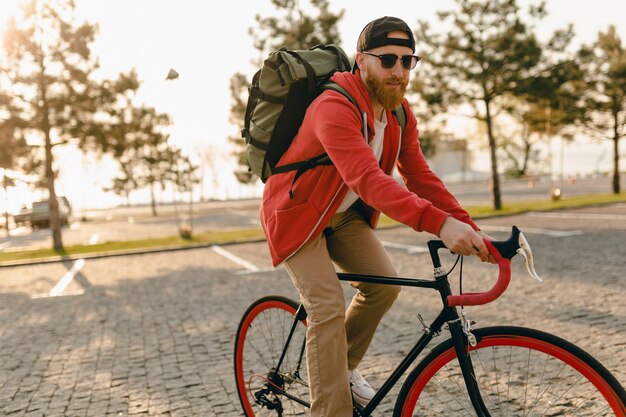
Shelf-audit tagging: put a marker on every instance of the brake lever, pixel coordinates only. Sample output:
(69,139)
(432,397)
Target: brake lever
(526,253)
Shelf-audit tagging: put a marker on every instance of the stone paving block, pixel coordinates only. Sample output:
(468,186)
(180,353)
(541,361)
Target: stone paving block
(157,337)
(15,407)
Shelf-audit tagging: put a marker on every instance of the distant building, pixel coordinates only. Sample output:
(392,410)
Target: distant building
(452,162)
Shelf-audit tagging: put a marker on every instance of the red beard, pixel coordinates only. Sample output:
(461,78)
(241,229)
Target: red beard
(389,98)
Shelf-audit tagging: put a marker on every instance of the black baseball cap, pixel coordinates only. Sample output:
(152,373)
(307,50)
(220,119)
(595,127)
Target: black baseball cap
(376,32)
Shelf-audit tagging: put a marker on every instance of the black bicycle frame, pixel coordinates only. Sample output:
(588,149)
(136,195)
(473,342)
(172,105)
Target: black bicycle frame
(448,315)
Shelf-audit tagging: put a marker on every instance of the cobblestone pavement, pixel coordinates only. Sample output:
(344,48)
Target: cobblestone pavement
(152,335)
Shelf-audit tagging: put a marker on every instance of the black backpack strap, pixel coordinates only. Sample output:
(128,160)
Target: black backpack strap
(302,166)
(400,114)
(255,94)
(311,79)
(336,87)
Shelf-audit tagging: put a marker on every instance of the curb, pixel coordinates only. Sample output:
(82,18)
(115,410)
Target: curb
(111,254)
(141,251)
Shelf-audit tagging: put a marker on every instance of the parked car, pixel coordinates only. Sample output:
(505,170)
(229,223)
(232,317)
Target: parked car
(40,213)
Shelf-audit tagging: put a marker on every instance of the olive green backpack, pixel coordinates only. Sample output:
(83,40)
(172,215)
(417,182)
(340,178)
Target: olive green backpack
(279,95)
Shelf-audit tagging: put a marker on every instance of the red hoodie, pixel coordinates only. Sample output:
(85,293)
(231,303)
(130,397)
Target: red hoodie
(334,125)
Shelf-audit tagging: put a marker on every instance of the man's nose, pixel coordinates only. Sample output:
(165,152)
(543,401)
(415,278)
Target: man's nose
(397,68)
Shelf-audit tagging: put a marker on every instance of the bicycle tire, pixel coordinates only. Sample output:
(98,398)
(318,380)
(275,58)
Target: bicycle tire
(260,339)
(520,372)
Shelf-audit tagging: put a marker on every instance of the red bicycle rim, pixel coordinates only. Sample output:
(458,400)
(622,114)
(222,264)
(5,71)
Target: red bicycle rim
(520,341)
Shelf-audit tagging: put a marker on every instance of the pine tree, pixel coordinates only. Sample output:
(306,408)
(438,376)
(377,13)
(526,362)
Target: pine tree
(50,65)
(605,64)
(486,52)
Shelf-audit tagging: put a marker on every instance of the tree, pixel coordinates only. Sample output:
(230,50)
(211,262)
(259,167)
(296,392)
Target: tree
(13,150)
(293,29)
(156,160)
(134,135)
(549,104)
(184,175)
(12,147)
(50,66)
(482,57)
(142,149)
(605,65)
(125,182)
(517,144)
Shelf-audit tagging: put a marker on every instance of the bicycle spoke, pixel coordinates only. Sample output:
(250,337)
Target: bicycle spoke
(485,373)
(461,390)
(561,396)
(497,385)
(529,374)
(537,398)
(546,390)
(508,385)
(267,391)
(587,399)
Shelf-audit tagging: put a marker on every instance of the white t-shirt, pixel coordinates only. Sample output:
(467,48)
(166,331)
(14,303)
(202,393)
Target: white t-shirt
(377,146)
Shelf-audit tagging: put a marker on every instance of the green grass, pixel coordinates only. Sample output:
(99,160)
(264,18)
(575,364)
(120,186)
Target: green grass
(478,212)
(241,235)
(246,235)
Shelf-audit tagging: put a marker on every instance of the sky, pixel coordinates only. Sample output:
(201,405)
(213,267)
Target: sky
(207,42)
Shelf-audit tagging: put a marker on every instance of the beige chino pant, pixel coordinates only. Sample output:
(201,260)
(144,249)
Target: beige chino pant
(337,339)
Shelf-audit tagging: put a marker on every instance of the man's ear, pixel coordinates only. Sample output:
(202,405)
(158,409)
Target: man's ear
(360,59)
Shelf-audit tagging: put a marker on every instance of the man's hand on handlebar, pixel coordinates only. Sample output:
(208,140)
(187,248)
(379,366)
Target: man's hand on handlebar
(490,257)
(461,239)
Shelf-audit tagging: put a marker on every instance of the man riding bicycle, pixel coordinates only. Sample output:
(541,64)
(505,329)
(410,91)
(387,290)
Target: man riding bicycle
(328,219)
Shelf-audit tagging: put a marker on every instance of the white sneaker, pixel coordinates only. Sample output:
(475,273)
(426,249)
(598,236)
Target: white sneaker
(362,392)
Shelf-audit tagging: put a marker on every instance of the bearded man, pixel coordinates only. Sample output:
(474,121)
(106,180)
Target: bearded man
(325,218)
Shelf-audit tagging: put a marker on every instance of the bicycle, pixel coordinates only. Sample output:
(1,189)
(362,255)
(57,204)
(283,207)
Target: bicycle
(492,371)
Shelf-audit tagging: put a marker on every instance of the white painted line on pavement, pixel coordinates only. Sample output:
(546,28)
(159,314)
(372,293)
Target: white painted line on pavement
(239,261)
(5,245)
(94,239)
(408,248)
(583,216)
(67,278)
(65,294)
(553,233)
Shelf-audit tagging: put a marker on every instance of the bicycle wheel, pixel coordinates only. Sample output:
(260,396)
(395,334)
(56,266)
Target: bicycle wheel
(520,372)
(259,344)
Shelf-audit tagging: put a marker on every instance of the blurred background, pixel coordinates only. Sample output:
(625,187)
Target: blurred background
(114,104)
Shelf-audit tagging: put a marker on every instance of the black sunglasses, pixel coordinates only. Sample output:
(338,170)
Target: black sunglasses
(389,60)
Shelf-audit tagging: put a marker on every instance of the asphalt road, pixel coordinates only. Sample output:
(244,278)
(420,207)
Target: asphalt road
(124,223)
(152,334)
